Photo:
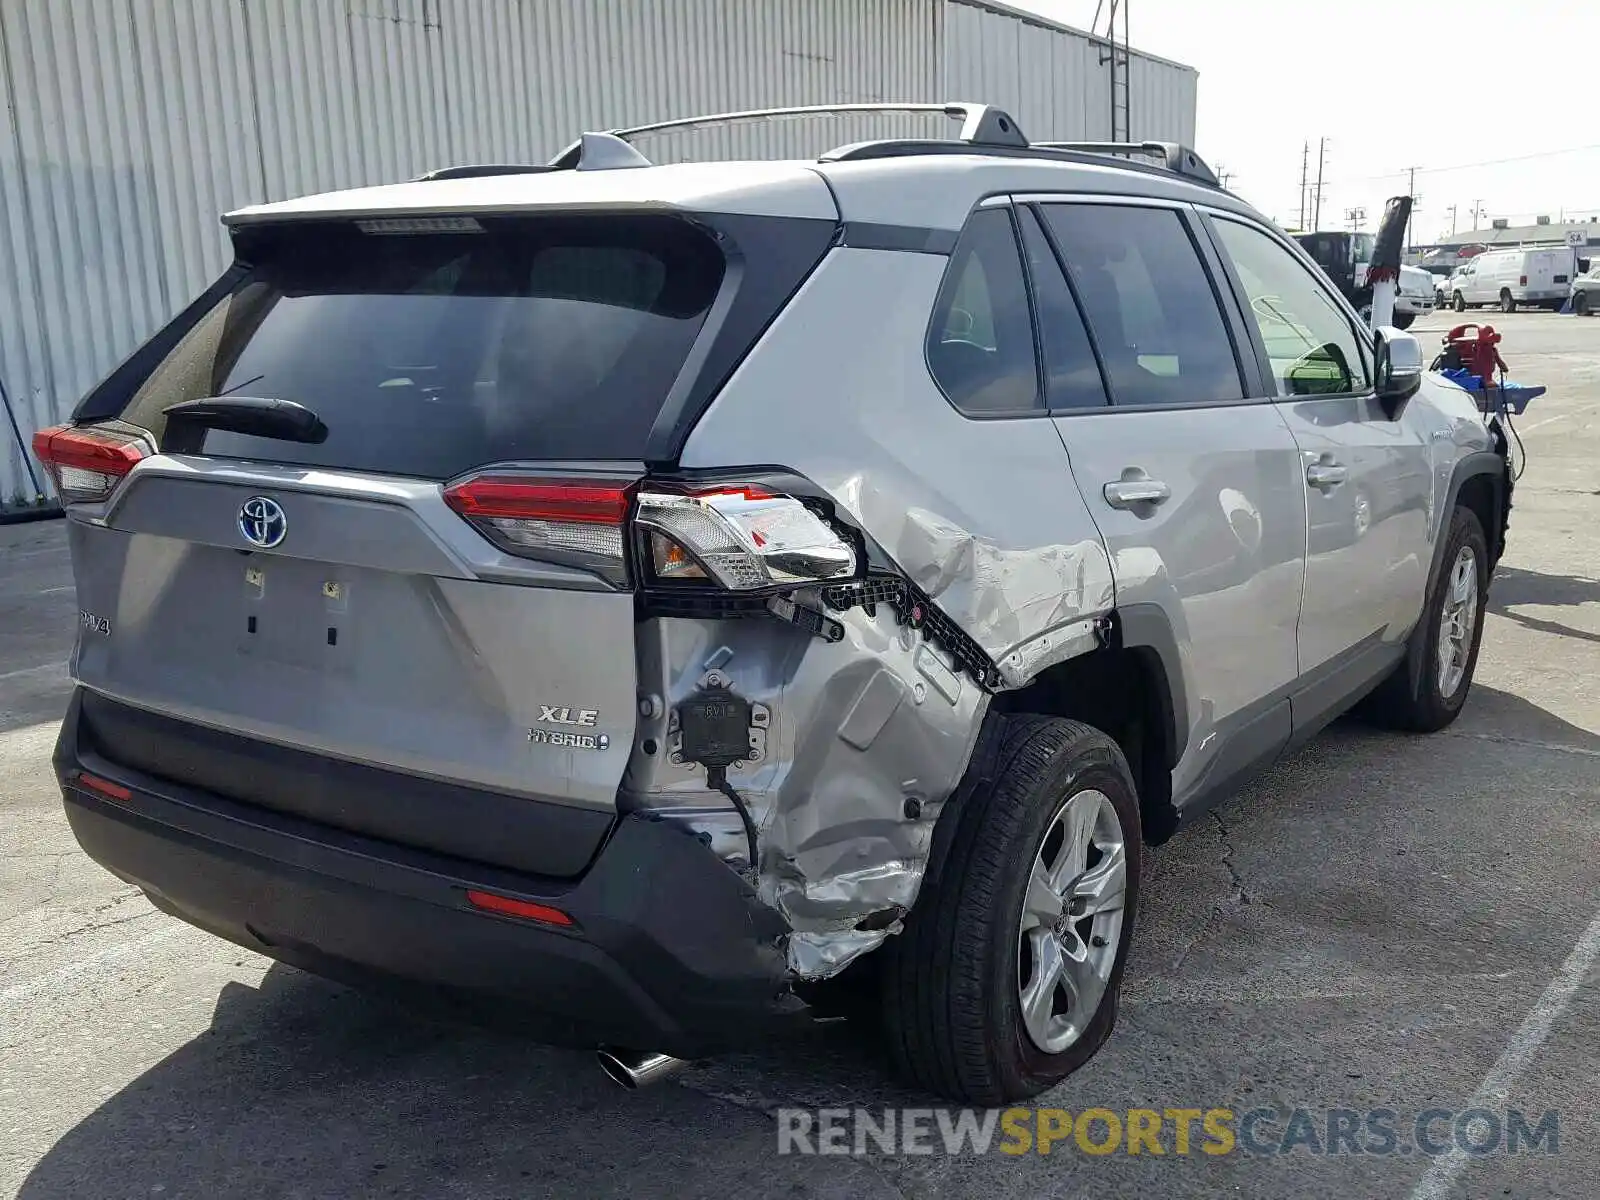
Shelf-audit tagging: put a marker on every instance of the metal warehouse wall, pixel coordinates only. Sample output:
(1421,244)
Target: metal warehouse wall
(130,125)
(1052,80)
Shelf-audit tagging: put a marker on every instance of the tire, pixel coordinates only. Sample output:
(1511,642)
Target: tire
(953,981)
(1507,304)
(1403,320)
(1418,697)
(1458,303)
(1580,304)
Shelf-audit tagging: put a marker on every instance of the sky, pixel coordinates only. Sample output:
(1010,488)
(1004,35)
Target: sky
(1436,84)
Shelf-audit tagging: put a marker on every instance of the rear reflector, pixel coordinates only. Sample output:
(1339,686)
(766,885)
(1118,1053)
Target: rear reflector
(86,463)
(93,783)
(525,909)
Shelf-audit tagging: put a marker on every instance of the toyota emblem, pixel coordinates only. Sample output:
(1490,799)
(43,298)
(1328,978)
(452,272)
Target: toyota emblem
(262,522)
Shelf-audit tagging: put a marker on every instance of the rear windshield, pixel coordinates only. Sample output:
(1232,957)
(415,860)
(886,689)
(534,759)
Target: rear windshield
(429,352)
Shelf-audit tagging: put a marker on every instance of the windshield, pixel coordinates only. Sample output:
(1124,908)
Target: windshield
(1362,245)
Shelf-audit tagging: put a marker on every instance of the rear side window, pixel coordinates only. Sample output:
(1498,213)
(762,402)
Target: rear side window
(1071,374)
(1150,304)
(980,343)
(429,353)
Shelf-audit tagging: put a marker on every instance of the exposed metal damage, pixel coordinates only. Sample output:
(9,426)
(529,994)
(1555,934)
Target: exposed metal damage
(855,746)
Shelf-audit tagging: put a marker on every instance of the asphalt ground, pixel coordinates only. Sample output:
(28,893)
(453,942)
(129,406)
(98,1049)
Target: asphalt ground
(1381,923)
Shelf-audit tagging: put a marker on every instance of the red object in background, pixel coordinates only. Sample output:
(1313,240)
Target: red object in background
(1474,346)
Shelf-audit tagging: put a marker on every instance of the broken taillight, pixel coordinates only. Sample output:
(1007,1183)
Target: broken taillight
(742,538)
(86,464)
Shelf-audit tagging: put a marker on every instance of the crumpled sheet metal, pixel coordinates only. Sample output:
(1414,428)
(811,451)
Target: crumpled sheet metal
(1002,598)
(862,754)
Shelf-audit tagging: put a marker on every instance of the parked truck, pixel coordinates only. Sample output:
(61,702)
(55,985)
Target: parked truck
(1345,257)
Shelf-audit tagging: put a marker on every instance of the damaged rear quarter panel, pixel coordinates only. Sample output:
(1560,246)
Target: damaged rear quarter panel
(982,515)
(860,753)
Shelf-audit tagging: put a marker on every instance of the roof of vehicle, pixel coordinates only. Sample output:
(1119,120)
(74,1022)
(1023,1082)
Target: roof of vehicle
(921,183)
(930,190)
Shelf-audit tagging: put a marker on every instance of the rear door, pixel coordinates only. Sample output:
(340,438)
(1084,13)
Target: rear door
(1190,473)
(432,586)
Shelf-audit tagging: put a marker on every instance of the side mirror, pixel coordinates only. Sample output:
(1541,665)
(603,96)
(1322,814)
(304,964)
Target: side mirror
(1399,369)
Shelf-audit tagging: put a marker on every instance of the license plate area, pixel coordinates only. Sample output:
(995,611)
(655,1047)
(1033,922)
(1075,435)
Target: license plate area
(295,612)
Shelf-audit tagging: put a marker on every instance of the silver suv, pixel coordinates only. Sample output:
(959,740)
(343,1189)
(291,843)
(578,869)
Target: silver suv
(653,596)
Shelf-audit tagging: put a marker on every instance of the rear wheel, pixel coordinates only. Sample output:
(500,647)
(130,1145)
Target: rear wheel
(1428,689)
(1006,977)
(1458,303)
(1507,304)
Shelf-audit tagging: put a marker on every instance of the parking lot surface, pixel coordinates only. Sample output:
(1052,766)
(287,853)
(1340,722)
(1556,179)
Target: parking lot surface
(1382,923)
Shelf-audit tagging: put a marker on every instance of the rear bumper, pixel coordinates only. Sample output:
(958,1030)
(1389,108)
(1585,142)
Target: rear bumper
(669,950)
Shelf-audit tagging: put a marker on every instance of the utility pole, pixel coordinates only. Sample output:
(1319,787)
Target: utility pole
(1452,220)
(1305,167)
(1356,217)
(1411,190)
(1477,213)
(1316,213)
(1223,175)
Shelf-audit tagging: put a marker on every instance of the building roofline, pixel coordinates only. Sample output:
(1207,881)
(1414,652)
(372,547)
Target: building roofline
(1032,18)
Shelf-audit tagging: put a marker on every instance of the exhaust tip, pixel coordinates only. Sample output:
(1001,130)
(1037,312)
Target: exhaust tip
(633,1070)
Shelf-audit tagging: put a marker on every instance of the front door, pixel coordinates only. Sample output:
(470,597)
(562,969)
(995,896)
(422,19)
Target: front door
(1365,476)
(1195,484)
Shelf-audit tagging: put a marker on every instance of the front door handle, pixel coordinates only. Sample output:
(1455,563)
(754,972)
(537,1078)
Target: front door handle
(1325,474)
(1130,491)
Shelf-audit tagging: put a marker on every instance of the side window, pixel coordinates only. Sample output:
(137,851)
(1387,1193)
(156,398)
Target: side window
(980,344)
(1071,374)
(1312,344)
(1152,309)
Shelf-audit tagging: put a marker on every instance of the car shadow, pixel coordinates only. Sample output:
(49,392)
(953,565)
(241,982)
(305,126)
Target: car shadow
(300,1087)
(1515,589)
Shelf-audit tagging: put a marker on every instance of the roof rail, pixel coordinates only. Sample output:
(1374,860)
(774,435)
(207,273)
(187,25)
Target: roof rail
(1176,158)
(981,125)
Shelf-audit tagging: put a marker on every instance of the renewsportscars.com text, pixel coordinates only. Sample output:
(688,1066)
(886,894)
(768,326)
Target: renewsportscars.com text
(1167,1131)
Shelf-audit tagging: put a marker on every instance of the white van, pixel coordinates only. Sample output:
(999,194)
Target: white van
(1538,276)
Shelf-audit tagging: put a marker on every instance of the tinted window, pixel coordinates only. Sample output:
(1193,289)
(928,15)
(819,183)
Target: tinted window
(431,353)
(1310,340)
(1072,377)
(980,345)
(1154,316)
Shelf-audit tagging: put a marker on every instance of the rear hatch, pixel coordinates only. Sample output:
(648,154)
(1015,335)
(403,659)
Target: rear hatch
(401,608)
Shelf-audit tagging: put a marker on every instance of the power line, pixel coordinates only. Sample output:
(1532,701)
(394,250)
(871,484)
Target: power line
(1487,162)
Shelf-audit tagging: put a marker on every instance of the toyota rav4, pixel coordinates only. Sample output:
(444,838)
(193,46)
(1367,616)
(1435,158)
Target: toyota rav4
(648,594)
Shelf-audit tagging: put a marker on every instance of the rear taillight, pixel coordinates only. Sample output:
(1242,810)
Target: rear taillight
(87,464)
(1523,281)
(741,538)
(564,520)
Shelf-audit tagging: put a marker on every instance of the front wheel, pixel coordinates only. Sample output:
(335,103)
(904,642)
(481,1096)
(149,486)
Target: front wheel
(1006,977)
(1403,320)
(1458,302)
(1429,688)
(1507,303)
(1580,304)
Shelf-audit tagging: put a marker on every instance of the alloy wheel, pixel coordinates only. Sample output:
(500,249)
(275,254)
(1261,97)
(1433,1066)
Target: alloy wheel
(1071,923)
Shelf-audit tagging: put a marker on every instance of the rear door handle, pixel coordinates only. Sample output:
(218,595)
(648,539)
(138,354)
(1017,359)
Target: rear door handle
(1325,474)
(1126,493)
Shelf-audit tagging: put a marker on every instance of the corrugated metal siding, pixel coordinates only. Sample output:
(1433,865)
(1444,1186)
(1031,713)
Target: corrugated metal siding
(130,125)
(1052,80)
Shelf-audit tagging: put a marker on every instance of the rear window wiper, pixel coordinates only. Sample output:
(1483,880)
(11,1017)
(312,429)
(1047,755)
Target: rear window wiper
(257,416)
